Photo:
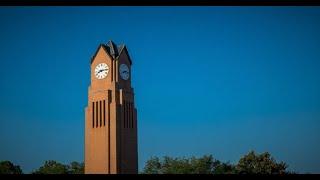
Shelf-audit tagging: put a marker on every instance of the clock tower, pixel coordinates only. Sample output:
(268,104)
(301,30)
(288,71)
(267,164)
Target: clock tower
(111,116)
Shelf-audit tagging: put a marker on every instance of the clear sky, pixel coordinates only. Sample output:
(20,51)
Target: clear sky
(207,80)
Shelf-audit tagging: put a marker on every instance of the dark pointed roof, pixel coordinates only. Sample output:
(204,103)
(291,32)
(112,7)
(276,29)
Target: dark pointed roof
(113,50)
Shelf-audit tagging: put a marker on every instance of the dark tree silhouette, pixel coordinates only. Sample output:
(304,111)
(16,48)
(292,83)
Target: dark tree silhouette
(253,163)
(7,167)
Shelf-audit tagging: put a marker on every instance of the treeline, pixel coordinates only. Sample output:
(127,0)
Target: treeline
(251,163)
(49,167)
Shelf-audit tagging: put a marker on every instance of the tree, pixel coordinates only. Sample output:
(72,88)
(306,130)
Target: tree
(153,166)
(76,168)
(7,167)
(203,165)
(175,166)
(52,167)
(253,163)
(224,168)
(169,165)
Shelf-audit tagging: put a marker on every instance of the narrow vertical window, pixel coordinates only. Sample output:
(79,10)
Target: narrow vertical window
(132,109)
(127,110)
(92,114)
(124,114)
(97,115)
(129,114)
(104,112)
(100,113)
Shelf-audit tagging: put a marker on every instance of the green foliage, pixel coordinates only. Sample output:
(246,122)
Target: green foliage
(76,168)
(53,167)
(7,167)
(175,166)
(224,168)
(202,165)
(153,166)
(193,165)
(248,164)
(253,163)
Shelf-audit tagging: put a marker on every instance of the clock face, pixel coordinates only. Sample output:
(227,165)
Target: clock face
(101,70)
(124,71)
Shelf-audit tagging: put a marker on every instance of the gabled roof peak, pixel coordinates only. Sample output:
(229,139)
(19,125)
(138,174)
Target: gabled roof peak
(112,49)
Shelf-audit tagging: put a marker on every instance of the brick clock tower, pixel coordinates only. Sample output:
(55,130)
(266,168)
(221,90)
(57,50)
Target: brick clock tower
(111,116)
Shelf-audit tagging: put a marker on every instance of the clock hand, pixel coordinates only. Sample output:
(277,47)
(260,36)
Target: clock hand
(102,70)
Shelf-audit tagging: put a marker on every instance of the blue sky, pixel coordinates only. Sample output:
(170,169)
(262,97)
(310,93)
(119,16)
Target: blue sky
(207,80)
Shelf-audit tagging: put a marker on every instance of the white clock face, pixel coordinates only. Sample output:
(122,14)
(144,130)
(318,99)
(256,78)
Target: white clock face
(101,70)
(124,72)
